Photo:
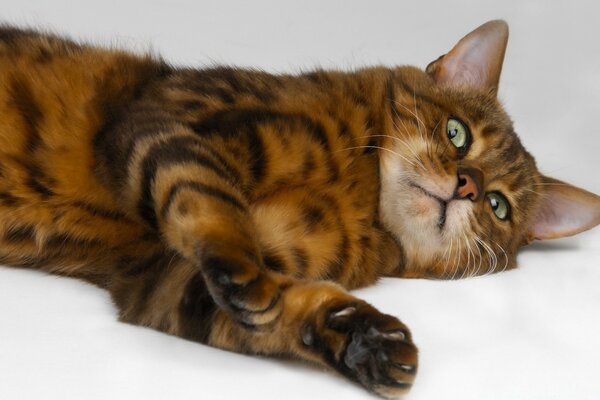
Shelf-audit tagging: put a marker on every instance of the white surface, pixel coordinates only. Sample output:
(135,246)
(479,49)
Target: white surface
(533,333)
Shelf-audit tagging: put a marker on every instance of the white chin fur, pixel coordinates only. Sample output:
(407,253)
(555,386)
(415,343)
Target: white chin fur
(413,217)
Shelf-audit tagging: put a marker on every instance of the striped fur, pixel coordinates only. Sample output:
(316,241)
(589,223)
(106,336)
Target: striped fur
(235,207)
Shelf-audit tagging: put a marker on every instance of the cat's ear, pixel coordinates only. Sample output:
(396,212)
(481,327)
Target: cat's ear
(476,60)
(564,211)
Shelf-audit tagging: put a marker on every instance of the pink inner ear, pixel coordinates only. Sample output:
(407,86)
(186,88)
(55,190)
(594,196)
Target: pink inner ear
(476,60)
(565,211)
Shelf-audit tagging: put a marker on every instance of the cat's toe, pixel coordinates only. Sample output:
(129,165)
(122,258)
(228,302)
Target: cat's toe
(385,362)
(369,347)
(252,300)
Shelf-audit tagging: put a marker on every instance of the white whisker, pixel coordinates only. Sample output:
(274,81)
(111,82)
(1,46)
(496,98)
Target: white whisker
(505,256)
(380,148)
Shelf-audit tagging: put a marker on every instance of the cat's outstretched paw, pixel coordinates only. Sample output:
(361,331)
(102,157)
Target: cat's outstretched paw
(367,346)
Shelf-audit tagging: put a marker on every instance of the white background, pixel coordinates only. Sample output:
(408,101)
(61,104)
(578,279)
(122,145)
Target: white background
(533,333)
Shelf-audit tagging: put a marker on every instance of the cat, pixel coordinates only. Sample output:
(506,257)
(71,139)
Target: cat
(236,208)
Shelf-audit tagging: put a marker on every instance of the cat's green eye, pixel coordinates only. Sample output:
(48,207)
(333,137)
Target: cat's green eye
(458,134)
(499,205)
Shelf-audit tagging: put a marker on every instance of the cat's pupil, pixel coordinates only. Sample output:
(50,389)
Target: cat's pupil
(453,133)
(494,203)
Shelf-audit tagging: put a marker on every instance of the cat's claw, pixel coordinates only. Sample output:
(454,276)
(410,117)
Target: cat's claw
(345,312)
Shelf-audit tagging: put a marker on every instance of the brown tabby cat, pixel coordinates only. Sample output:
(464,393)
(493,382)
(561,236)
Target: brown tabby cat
(235,207)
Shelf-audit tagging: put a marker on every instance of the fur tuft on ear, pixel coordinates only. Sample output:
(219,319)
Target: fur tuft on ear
(565,210)
(476,60)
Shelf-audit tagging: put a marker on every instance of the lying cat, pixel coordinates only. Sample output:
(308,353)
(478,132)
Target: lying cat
(235,207)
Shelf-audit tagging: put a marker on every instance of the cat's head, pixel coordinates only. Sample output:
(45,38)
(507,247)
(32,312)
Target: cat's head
(458,189)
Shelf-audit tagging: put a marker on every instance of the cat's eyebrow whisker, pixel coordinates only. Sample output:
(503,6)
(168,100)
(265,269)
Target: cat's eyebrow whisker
(405,135)
(406,131)
(401,119)
(403,142)
(419,121)
(391,137)
(550,184)
(432,137)
(534,192)
(380,148)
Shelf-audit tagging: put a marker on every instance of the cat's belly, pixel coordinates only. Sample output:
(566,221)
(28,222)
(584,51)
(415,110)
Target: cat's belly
(319,234)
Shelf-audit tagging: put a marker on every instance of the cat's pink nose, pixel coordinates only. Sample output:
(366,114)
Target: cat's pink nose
(470,184)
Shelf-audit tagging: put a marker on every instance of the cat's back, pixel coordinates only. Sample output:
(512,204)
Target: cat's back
(48,80)
(55,96)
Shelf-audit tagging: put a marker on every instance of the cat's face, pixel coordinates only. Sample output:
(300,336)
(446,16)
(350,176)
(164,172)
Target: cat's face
(458,189)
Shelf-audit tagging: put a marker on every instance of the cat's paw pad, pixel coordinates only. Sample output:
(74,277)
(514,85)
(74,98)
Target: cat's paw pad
(367,346)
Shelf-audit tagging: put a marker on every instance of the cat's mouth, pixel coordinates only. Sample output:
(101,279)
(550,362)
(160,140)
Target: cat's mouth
(441,223)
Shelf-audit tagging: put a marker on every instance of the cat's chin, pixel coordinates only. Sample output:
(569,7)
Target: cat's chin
(423,223)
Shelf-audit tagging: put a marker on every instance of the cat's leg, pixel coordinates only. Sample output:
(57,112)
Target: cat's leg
(323,323)
(213,287)
(320,322)
(192,192)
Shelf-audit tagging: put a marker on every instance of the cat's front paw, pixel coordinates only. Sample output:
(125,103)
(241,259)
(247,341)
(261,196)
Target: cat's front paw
(248,293)
(369,347)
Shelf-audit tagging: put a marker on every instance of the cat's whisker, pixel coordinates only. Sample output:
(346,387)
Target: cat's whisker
(429,142)
(443,257)
(405,143)
(477,246)
(419,121)
(405,135)
(380,148)
(472,271)
(447,263)
(470,256)
(494,259)
(490,255)
(397,139)
(534,192)
(550,184)
(458,261)
(454,268)
(465,268)
(505,257)
(469,253)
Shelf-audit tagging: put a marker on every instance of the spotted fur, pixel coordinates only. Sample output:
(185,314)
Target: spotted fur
(235,207)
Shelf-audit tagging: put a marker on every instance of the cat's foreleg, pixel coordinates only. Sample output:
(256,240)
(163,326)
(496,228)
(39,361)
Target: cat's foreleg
(319,322)
(322,323)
